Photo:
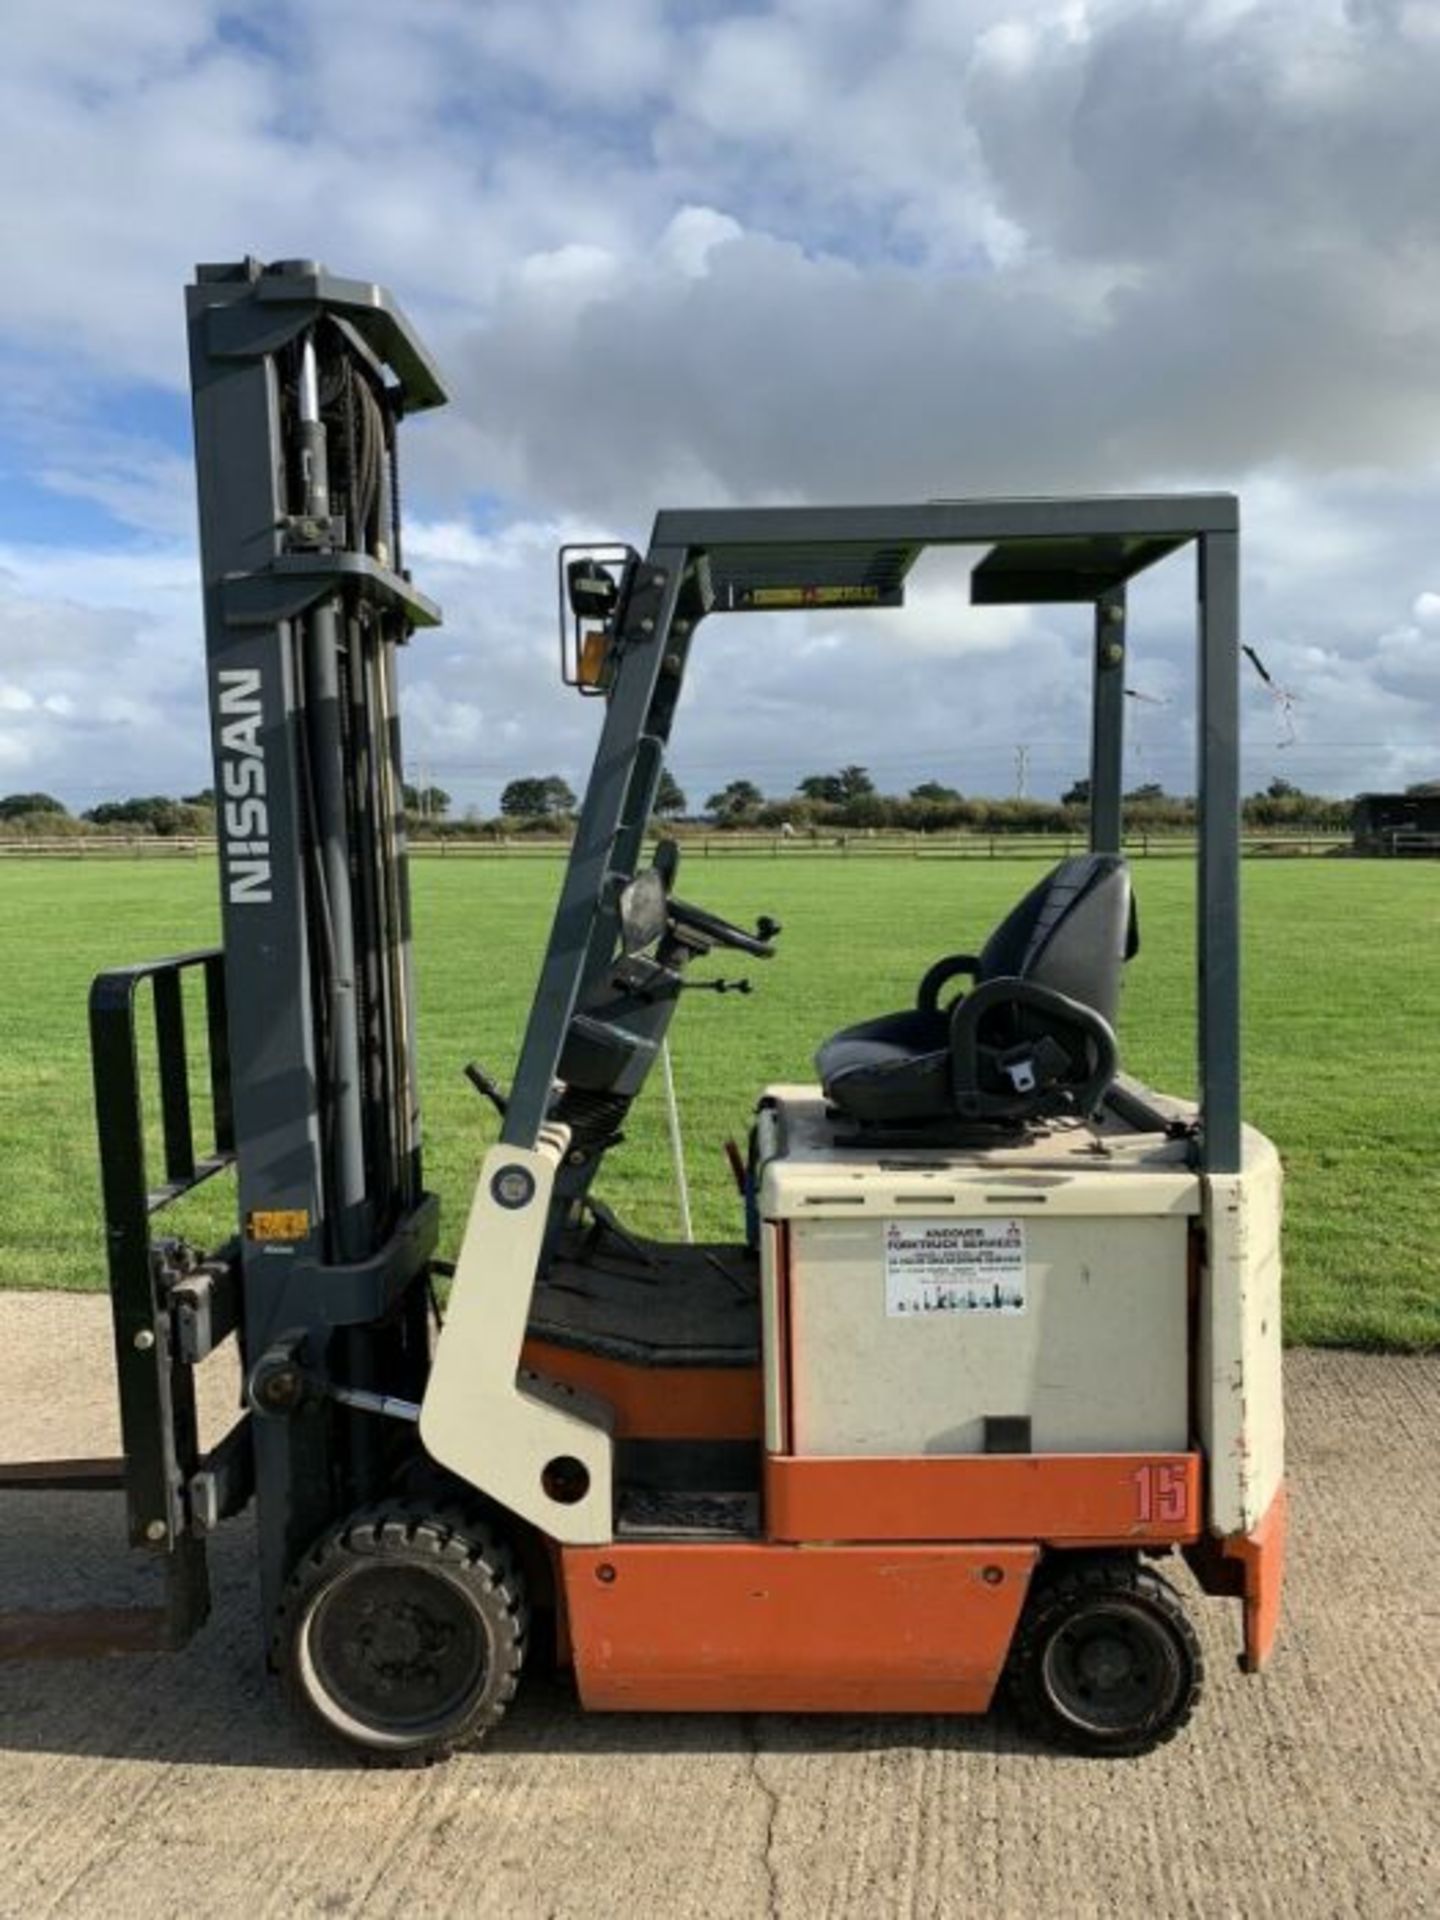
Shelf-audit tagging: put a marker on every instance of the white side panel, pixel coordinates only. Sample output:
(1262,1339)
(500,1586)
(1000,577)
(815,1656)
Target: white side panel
(1241,1406)
(477,1419)
(1095,1357)
(772,1281)
(1106,1171)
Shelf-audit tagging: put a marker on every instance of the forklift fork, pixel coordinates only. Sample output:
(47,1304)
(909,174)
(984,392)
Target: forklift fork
(171,1307)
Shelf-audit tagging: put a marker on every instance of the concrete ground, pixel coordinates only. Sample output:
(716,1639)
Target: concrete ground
(177,1785)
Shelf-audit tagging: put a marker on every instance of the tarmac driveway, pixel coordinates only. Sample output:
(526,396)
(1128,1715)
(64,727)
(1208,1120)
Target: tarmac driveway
(178,1785)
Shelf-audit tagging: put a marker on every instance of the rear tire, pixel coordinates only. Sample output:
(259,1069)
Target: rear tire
(403,1631)
(1105,1660)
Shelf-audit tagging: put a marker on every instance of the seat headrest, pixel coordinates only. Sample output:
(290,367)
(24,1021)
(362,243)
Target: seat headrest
(1073,932)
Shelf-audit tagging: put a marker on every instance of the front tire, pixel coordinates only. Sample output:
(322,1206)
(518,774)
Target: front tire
(403,1633)
(1105,1660)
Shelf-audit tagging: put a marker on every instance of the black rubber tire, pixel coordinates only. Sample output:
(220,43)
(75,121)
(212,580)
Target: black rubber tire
(1151,1671)
(400,1598)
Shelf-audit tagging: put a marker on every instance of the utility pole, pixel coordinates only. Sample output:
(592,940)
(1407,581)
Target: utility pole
(1022,773)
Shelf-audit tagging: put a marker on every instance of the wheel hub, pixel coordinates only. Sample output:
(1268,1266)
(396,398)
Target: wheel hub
(1104,1662)
(398,1646)
(1111,1669)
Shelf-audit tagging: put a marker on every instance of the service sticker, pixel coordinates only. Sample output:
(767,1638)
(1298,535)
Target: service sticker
(954,1266)
(278,1223)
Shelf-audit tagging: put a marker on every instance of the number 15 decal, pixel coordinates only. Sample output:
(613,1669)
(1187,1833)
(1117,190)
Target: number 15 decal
(1162,1493)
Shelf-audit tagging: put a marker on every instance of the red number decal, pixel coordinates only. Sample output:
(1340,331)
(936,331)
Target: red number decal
(1162,1494)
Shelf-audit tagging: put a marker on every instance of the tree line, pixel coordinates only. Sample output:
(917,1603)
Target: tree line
(41,814)
(849,800)
(845,800)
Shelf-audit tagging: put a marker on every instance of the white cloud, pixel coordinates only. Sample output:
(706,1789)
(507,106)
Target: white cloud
(141,486)
(798,250)
(100,665)
(692,236)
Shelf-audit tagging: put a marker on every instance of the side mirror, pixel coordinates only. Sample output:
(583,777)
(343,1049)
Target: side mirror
(643,912)
(592,591)
(593,581)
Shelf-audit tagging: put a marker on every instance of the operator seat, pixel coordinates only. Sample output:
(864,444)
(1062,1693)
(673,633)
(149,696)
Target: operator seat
(1033,1037)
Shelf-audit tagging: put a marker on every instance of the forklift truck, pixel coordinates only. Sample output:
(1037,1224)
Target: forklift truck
(999,1327)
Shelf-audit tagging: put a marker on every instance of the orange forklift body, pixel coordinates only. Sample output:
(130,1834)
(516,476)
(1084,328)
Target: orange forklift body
(792,1629)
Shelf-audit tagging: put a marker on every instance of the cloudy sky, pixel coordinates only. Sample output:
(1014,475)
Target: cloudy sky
(687,253)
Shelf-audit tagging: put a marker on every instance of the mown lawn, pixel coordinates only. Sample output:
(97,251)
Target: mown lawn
(1341,989)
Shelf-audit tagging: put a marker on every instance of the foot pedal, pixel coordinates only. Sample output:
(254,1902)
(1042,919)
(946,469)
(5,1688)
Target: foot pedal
(655,1513)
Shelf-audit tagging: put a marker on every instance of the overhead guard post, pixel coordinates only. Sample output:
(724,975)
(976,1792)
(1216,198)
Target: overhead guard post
(1107,723)
(1218,891)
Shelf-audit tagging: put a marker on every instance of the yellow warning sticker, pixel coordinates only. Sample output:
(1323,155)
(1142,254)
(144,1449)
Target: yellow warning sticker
(279,1223)
(853,596)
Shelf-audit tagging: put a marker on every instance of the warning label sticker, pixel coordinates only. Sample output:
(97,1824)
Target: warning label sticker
(954,1266)
(823,596)
(283,1223)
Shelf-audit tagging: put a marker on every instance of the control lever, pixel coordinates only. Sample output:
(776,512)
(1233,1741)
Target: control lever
(715,986)
(483,1084)
(606,1222)
(737,1166)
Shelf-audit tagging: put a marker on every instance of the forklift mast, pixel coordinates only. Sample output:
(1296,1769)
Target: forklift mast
(300,380)
(293,1042)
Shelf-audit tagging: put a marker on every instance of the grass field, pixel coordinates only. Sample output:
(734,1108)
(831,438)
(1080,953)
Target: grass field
(1341,1045)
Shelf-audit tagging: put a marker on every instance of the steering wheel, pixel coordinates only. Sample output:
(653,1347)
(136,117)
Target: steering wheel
(724,933)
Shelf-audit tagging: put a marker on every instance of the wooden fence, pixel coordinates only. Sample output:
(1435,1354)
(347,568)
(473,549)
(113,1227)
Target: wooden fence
(722,846)
(142,846)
